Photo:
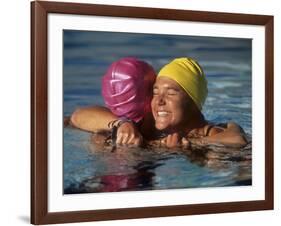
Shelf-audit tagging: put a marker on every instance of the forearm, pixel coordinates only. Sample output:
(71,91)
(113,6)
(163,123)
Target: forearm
(92,119)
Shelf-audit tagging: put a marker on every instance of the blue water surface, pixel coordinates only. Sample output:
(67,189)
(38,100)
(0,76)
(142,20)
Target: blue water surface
(227,65)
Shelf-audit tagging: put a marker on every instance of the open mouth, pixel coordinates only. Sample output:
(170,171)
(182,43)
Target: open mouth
(162,113)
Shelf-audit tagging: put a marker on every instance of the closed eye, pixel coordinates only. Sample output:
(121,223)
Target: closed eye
(155,91)
(172,91)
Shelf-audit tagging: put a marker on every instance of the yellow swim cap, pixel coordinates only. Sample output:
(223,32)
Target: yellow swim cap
(190,76)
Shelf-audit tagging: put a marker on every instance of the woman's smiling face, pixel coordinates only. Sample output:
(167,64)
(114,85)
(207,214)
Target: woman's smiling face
(170,105)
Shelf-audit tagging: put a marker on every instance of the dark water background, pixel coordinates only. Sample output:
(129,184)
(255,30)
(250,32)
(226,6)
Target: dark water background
(227,65)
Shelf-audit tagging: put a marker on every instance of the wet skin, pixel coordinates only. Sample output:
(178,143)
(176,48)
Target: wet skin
(171,106)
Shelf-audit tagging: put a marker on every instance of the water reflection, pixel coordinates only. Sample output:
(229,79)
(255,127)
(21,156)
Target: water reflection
(141,180)
(132,169)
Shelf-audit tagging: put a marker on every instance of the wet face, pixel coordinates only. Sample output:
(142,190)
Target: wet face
(171,106)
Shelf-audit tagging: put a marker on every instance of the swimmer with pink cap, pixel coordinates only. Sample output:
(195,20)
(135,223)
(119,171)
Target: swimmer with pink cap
(127,88)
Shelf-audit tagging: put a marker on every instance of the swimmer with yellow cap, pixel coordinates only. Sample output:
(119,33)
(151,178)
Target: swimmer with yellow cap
(179,94)
(190,76)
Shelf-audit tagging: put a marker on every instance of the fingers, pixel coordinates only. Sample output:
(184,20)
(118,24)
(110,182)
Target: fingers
(163,142)
(174,140)
(131,139)
(185,143)
(124,133)
(128,139)
(127,134)
(171,141)
(122,138)
(135,140)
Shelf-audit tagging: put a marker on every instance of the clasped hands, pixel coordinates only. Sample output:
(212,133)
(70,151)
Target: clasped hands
(128,135)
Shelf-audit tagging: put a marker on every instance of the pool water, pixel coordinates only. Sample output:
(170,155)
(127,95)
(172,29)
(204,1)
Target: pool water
(89,168)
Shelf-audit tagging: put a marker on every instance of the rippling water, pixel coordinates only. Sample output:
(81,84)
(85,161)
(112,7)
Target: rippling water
(227,65)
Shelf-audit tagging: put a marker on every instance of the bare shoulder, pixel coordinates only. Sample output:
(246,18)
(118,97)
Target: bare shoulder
(227,133)
(230,127)
(235,127)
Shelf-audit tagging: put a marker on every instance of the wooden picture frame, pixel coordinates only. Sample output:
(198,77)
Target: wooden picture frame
(39,112)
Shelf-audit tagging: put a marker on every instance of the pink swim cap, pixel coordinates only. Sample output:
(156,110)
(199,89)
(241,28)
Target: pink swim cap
(127,88)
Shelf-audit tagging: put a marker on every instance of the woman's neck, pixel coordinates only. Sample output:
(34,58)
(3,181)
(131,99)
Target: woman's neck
(196,122)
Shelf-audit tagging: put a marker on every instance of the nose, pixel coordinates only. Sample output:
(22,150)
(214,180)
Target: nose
(161,99)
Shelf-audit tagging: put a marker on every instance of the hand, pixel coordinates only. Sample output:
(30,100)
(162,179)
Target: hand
(171,141)
(128,134)
(185,143)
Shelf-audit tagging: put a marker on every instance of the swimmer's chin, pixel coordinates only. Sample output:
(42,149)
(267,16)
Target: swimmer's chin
(164,129)
(161,127)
